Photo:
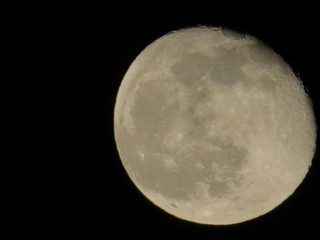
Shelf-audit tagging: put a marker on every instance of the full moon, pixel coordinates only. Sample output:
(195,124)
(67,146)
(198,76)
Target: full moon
(213,127)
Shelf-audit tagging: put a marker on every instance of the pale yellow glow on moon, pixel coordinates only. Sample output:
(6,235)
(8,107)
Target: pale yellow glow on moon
(213,127)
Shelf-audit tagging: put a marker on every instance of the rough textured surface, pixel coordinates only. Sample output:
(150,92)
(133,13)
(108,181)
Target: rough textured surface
(213,127)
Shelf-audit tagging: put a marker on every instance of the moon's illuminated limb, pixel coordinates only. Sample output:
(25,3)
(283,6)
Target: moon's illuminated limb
(213,127)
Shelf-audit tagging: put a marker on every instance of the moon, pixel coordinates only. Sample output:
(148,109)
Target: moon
(213,127)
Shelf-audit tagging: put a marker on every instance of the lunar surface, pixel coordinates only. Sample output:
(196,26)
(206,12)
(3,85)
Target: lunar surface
(213,127)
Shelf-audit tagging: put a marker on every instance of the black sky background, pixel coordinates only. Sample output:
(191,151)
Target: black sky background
(112,203)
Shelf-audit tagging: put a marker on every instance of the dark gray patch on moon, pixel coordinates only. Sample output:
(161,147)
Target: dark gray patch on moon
(218,189)
(226,69)
(190,68)
(149,114)
(174,205)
